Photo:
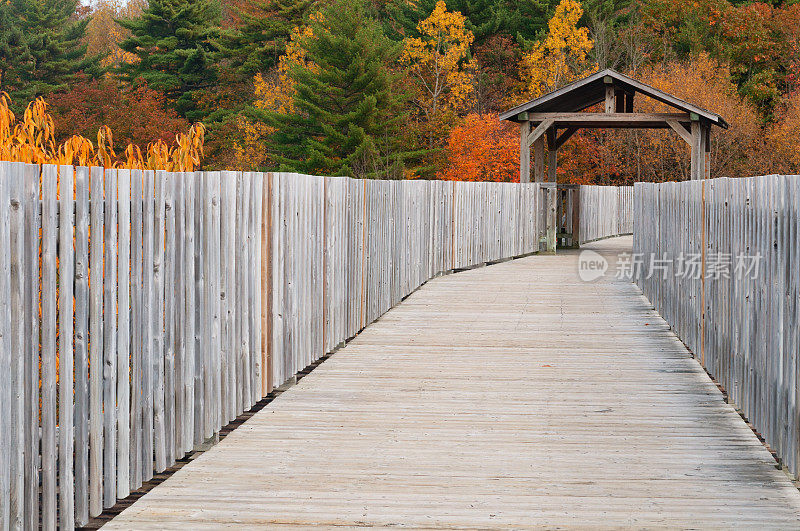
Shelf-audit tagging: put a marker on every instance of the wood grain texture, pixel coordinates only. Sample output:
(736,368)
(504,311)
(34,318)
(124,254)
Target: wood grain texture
(81,339)
(114,213)
(159,354)
(32,439)
(138,311)
(16,343)
(169,289)
(740,323)
(146,325)
(66,274)
(123,335)
(6,448)
(48,339)
(508,396)
(96,361)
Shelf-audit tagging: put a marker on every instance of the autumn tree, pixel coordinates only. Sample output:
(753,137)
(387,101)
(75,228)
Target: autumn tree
(90,104)
(274,93)
(174,45)
(15,56)
(103,33)
(521,20)
(347,110)
(757,40)
(261,39)
(482,148)
(561,57)
(441,71)
(497,61)
(50,51)
(783,138)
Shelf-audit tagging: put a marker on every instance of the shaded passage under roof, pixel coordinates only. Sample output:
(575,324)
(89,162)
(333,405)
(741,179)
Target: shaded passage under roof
(591,90)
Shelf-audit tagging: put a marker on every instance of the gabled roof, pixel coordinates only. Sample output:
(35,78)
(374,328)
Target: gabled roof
(591,90)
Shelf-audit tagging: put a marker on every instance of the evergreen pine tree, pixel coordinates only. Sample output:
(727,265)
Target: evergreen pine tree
(15,57)
(41,48)
(260,41)
(174,41)
(524,20)
(347,110)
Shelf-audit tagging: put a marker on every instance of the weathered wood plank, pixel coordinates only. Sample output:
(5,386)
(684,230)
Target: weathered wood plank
(6,407)
(228,284)
(48,356)
(171,298)
(138,302)
(610,119)
(110,344)
(33,242)
(81,412)
(180,302)
(256,324)
(198,404)
(206,313)
(123,332)
(158,358)
(96,339)
(190,191)
(146,318)
(15,175)
(66,273)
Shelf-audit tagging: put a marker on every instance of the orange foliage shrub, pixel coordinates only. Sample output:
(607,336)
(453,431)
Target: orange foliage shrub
(32,140)
(783,138)
(482,149)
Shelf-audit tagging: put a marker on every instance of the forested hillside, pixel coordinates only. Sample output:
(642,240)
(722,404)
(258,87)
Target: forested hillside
(397,88)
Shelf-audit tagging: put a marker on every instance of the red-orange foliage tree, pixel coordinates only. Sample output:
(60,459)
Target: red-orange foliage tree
(136,115)
(482,149)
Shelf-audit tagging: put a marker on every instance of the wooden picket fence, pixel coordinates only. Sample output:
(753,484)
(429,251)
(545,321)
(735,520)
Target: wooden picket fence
(142,311)
(740,322)
(605,211)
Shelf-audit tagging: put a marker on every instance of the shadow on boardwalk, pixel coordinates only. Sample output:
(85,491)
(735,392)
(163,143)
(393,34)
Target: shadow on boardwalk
(511,395)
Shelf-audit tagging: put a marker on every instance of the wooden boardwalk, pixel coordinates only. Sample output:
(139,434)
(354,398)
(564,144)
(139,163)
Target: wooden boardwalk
(507,396)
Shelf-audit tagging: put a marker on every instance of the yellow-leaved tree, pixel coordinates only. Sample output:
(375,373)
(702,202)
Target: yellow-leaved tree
(103,34)
(274,93)
(562,57)
(439,65)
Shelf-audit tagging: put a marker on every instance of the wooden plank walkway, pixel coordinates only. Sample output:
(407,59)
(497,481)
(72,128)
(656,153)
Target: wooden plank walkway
(507,396)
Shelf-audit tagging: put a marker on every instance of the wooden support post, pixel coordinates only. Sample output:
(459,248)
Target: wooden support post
(524,152)
(563,137)
(707,160)
(610,98)
(576,217)
(697,168)
(552,155)
(538,159)
(552,218)
(629,101)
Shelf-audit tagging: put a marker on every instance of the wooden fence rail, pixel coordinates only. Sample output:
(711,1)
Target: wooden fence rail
(141,311)
(730,289)
(605,211)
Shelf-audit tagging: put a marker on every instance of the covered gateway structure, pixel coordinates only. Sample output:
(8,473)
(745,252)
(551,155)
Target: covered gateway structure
(558,115)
